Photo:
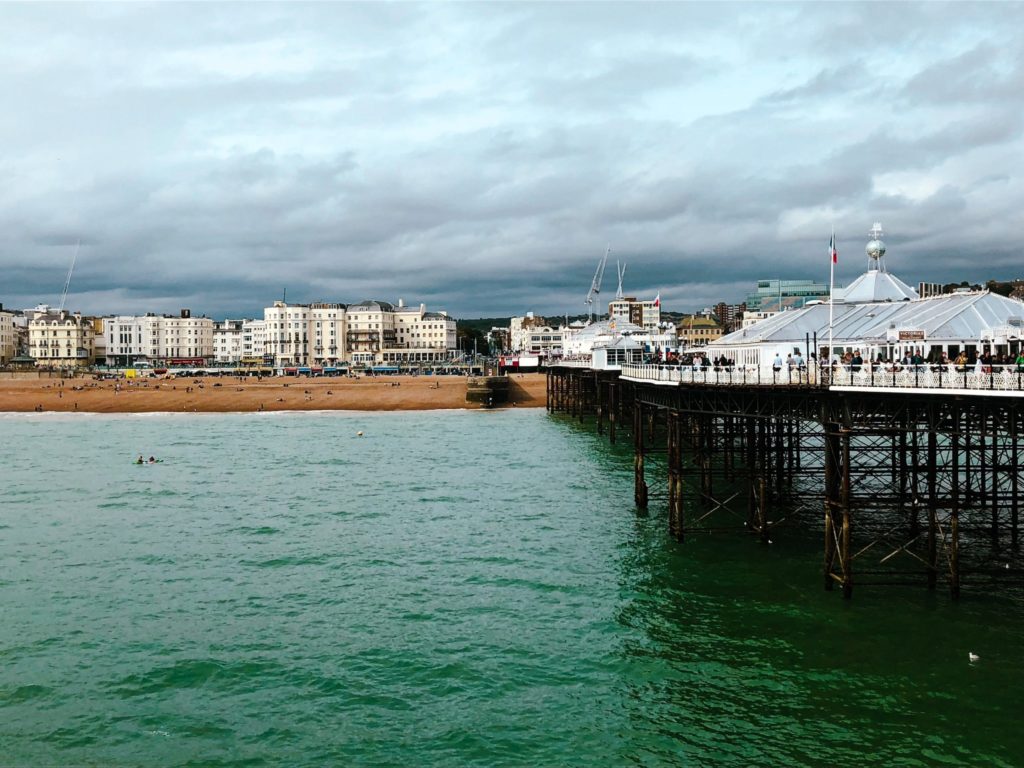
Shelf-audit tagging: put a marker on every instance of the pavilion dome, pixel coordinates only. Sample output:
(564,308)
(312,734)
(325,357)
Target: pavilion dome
(876,284)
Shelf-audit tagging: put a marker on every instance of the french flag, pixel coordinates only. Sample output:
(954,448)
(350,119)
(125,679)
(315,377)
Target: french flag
(832,249)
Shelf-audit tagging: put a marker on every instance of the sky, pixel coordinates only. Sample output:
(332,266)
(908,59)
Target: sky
(481,157)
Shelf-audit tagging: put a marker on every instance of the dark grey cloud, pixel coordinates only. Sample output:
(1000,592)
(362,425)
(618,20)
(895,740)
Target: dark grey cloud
(480,157)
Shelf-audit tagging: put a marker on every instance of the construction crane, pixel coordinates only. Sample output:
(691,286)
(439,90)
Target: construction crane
(67,283)
(595,285)
(621,269)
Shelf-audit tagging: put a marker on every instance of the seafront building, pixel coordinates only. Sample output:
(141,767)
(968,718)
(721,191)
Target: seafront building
(153,339)
(186,337)
(62,339)
(730,316)
(254,341)
(528,341)
(880,316)
(227,341)
(422,336)
(698,330)
(288,333)
(367,333)
(371,330)
(8,347)
(779,295)
(20,334)
(542,341)
(99,339)
(645,313)
(131,339)
(520,329)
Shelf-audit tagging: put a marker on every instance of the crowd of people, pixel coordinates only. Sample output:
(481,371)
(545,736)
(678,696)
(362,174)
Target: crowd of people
(854,361)
(915,360)
(696,360)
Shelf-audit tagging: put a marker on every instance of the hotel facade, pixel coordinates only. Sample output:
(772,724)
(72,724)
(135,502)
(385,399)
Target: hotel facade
(368,333)
(158,339)
(62,339)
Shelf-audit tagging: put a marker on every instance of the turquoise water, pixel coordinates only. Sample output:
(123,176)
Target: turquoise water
(453,588)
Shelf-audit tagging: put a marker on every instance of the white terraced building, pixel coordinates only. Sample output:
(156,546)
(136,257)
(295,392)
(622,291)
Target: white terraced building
(287,333)
(254,339)
(157,339)
(300,335)
(880,316)
(369,333)
(227,341)
(420,336)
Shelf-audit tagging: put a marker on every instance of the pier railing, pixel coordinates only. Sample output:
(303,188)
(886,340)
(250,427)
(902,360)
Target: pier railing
(576,362)
(737,375)
(1008,378)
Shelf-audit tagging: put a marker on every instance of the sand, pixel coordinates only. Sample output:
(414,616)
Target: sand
(229,394)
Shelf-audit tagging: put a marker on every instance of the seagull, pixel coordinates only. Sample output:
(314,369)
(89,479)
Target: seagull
(972,657)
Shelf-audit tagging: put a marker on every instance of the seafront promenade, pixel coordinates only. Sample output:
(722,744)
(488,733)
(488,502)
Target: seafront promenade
(231,394)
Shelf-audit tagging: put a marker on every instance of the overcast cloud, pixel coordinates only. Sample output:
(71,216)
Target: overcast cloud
(480,157)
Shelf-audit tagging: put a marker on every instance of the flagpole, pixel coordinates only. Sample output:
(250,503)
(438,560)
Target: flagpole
(831,292)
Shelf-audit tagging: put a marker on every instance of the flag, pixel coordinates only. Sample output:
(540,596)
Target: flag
(832,249)
(657,299)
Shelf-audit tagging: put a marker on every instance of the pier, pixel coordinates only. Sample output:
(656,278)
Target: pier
(912,473)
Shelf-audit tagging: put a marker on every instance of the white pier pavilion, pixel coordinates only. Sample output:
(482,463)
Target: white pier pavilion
(880,316)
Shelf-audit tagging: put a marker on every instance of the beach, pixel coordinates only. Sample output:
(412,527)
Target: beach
(226,394)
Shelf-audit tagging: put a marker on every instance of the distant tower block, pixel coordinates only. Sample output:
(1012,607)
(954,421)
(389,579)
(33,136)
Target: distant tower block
(876,249)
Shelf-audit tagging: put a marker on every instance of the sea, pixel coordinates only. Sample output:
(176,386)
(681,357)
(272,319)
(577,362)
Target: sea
(449,588)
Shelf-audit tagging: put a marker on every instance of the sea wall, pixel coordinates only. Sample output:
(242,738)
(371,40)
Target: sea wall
(487,390)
